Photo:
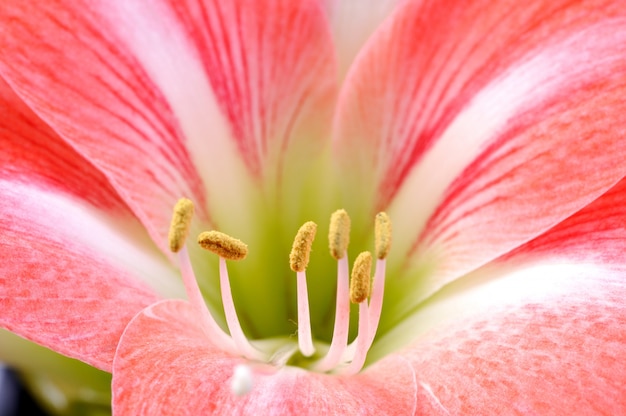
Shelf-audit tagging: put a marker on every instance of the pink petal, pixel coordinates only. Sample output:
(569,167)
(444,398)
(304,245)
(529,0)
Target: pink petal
(166,365)
(68,65)
(353,23)
(594,234)
(69,279)
(271,67)
(486,122)
(33,153)
(548,339)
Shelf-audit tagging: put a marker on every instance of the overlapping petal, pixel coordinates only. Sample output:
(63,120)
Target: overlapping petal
(33,153)
(352,23)
(541,330)
(483,142)
(165,364)
(70,281)
(73,255)
(207,90)
(547,339)
(71,69)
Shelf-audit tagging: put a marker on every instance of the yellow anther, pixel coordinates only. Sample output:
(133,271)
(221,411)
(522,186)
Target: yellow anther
(181,222)
(301,249)
(361,277)
(223,245)
(339,233)
(382,233)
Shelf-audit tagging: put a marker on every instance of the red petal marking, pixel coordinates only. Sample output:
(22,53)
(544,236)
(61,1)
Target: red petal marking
(512,134)
(271,66)
(68,281)
(547,341)
(65,62)
(165,365)
(426,65)
(33,153)
(597,233)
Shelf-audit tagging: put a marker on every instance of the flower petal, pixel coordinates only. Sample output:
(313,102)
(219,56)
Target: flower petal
(485,140)
(353,23)
(33,153)
(165,364)
(175,86)
(69,280)
(542,339)
(597,234)
(68,66)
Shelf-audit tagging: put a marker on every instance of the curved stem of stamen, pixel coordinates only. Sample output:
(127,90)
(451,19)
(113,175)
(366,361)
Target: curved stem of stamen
(305,340)
(376,300)
(342,319)
(242,343)
(211,328)
(362,342)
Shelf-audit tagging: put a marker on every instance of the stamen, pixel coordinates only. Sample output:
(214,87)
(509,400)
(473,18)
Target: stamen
(229,248)
(242,381)
(181,222)
(299,260)
(382,235)
(339,234)
(360,279)
(223,245)
(179,229)
(338,238)
(301,249)
(359,291)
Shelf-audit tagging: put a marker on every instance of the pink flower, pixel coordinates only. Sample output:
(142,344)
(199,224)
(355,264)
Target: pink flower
(491,132)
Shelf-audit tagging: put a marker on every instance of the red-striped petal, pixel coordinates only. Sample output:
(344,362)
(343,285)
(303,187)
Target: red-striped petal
(66,63)
(488,123)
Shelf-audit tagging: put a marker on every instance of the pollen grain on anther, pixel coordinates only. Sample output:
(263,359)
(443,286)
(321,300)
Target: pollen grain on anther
(223,245)
(181,222)
(339,233)
(361,277)
(382,235)
(301,249)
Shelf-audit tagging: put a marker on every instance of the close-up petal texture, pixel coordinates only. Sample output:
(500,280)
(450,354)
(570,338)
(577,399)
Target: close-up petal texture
(168,170)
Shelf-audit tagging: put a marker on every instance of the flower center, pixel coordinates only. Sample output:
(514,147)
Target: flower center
(340,357)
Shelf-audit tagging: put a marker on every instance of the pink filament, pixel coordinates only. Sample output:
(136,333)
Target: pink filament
(305,341)
(362,342)
(376,300)
(211,328)
(342,319)
(242,343)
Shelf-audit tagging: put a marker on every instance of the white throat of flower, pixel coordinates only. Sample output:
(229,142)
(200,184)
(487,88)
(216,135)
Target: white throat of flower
(340,357)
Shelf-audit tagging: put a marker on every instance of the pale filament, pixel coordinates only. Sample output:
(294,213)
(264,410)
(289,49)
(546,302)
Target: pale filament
(376,301)
(211,328)
(342,319)
(242,343)
(305,340)
(362,342)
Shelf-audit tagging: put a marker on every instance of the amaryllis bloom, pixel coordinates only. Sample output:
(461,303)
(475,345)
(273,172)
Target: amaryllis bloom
(468,154)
